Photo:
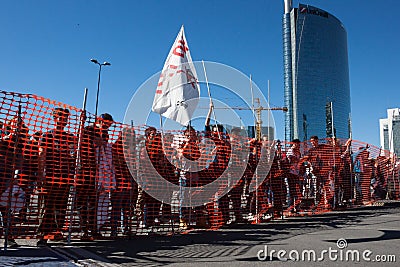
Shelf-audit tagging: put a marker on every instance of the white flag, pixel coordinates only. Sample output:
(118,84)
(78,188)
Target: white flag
(178,92)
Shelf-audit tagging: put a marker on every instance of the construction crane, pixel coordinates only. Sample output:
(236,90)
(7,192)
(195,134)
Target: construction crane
(258,111)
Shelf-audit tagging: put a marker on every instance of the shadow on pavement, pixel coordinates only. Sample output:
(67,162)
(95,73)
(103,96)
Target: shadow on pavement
(229,242)
(387,235)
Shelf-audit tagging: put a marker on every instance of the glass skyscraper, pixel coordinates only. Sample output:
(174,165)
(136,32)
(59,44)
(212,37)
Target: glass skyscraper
(316,74)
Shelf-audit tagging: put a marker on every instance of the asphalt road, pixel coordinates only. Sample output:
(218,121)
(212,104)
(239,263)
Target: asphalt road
(372,234)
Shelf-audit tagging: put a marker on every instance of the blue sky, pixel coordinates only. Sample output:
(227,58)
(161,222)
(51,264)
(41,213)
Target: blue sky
(46,47)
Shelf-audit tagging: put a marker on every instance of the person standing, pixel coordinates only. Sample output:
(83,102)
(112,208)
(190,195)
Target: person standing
(317,167)
(219,164)
(94,140)
(293,157)
(55,174)
(125,193)
(361,174)
(187,154)
(11,166)
(30,169)
(237,164)
(150,164)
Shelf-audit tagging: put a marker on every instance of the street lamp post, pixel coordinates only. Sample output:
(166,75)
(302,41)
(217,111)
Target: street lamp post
(98,81)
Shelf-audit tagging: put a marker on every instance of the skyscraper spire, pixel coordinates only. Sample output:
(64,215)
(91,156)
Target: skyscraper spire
(288,6)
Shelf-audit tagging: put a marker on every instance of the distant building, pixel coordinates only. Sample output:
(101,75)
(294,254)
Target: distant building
(265,130)
(250,131)
(316,72)
(390,131)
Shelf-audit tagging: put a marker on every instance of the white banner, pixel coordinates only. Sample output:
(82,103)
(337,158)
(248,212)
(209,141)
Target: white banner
(178,92)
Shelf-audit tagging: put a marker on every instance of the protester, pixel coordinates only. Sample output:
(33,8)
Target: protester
(106,180)
(346,180)
(250,174)
(12,195)
(260,158)
(217,167)
(335,164)
(94,140)
(125,193)
(278,173)
(318,168)
(360,162)
(30,170)
(294,156)
(150,162)
(237,165)
(187,155)
(55,174)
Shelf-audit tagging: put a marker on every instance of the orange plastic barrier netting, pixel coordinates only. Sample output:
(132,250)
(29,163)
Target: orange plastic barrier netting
(63,174)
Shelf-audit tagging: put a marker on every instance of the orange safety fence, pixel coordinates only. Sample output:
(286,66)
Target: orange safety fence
(63,174)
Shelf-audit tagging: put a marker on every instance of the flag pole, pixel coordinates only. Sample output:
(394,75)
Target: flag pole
(162,129)
(162,140)
(162,132)
(209,95)
(78,166)
(252,101)
(350,151)
(256,152)
(190,180)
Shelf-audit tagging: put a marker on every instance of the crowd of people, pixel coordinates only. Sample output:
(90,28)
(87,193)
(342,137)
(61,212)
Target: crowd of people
(105,182)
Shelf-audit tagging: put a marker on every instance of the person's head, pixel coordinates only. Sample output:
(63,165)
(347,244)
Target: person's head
(105,121)
(296,143)
(235,134)
(153,137)
(264,140)
(60,117)
(126,139)
(12,125)
(190,132)
(217,130)
(254,144)
(314,140)
(150,132)
(278,145)
(128,135)
(333,141)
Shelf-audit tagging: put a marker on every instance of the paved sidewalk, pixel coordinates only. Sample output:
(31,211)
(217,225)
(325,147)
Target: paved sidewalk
(373,228)
(30,255)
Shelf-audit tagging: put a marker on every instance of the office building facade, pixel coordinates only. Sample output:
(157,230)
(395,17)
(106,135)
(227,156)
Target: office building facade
(390,131)
(316,74)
